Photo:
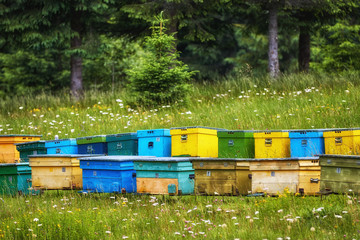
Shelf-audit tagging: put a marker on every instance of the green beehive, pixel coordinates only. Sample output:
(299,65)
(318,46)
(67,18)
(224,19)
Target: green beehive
(236,144)
(122,144)
(30,148)
(340,173)
(15,178)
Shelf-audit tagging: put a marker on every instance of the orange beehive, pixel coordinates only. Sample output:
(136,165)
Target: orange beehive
(8,152)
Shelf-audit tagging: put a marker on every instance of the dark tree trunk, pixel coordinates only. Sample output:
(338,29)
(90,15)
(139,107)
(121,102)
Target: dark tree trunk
(304,49)
(76,86)
(273,42)
(172,26)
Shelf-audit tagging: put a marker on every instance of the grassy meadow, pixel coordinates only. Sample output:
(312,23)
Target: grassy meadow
(70,215)
(293,102)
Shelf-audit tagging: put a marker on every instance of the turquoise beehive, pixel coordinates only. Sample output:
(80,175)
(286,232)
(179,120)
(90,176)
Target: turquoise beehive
(62,146)
(164,175)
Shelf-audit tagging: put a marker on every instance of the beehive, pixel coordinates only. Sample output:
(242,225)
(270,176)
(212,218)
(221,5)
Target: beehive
(156,142)
(164,175)
(272,144)
(277,175)
(342,141)
(109,174)
(306,143)
(122,144)
(236,144)
(309,176)
(220,176)
(15,178)
(56,171)
(92,145)
(194,142)
(62,146)
(30,148)
(8,152)
(340,173)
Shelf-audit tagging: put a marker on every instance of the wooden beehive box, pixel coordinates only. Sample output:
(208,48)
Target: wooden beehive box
(274,175)
(309,176)
(8,152)
(164,175)
(340,173)
(221,176)
(342,141)
(194,142)
(109,174)
(15,178)
(56,172)
(272,144)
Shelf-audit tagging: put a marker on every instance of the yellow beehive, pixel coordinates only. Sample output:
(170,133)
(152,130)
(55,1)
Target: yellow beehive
(8,152)
(273,176)
(342,142)
(309,176)
(222,176)
(194,142)
(272,144)
(56,172)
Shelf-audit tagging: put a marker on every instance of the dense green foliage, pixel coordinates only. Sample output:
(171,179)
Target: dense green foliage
(218,39)
(159,77)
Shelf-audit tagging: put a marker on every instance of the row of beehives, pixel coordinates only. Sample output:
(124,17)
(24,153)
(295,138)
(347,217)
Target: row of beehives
(191,142)
(182,175)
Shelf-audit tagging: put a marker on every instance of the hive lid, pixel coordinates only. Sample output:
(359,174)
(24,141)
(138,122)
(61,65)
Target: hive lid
(285,159)
(218,159)
(63,155)
(271,133)
(20,135)
(339,156)
(91,139)
(163,159)
(115,158)
(342,132)
(252,159)
(13,164)
(153,133)
(61,140)
(194,130)
(28,143)
(121,136)
(235,134)
(191,127)
(60,143)
(302,133)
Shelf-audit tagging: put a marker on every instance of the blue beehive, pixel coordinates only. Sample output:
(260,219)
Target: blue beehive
(62,146)
(109,174)
(306,143)
(156,142)
(164,175)
(92,145)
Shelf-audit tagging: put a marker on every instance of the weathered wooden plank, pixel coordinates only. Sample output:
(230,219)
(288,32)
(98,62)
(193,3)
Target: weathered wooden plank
(214,164)
(155,185)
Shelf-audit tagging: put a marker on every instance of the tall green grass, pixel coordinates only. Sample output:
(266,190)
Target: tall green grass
(295,101)
(68,215)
